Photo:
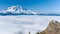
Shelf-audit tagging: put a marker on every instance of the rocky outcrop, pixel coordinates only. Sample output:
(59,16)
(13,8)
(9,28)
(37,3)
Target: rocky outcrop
(53,28)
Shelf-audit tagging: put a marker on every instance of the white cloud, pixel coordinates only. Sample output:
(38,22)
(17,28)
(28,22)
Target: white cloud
(24,24)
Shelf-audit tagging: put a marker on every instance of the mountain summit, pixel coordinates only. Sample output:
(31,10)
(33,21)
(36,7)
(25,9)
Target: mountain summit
(53,28)
(17,10)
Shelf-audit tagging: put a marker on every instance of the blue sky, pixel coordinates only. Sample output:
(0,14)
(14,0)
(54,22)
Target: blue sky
(43,6)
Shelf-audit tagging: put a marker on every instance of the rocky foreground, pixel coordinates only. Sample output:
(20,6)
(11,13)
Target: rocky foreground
(53,28)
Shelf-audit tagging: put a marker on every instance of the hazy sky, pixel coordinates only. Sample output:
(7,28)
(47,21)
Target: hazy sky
(45,6)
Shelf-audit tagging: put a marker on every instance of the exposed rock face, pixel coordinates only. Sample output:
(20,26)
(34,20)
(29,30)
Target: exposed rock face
(53,28)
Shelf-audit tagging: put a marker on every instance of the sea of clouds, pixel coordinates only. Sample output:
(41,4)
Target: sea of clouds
(24,24)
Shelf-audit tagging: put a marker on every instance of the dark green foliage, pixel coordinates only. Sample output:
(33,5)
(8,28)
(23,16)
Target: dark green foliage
(37,33)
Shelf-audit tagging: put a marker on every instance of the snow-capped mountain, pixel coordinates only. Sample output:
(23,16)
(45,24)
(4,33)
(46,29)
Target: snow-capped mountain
(17,10)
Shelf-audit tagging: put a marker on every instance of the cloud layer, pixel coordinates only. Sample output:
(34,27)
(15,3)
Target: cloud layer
(24,24)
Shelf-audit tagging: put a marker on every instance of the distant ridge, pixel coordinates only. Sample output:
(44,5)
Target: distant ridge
(49,14)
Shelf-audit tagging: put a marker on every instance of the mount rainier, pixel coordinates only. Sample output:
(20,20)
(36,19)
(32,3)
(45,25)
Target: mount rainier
(17,10)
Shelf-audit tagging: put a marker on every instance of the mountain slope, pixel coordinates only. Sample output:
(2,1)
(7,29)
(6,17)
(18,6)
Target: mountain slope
(53,28)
